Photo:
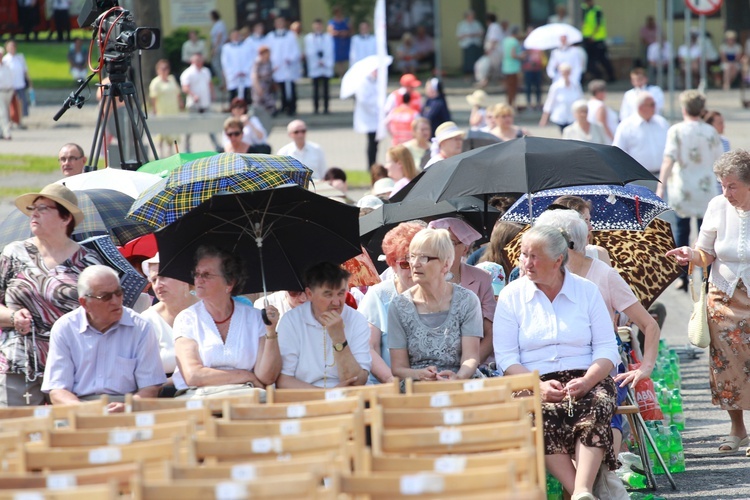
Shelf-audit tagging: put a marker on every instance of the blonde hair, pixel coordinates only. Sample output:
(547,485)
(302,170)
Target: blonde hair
(402,156)
(436,242)
(502,109)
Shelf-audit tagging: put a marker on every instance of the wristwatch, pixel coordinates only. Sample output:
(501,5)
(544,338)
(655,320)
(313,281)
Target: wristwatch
(340,346)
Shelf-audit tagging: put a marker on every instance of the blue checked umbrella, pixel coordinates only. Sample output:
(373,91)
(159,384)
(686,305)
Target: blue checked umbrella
(104,212)
(628,207)
(190,185)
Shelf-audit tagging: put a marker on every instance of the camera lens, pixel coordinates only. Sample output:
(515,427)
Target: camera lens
(147,38)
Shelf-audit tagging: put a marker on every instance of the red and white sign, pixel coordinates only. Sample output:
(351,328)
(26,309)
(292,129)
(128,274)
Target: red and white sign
(704,7)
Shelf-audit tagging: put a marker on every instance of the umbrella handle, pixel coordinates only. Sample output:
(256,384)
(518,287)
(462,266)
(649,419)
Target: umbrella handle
(264,316)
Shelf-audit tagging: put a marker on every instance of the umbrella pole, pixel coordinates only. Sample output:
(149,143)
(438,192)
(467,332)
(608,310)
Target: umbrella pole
(259,242)
(531,210)
(485,215)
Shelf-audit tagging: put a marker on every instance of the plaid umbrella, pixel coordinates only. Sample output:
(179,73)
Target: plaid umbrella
(104,212)
(190,185)
(163,166)
(637,255)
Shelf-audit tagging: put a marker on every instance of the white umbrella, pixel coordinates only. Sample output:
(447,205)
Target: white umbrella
(356,75)
(125,181)
(548,36)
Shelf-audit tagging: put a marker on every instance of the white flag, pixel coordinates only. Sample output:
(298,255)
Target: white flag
(382,53)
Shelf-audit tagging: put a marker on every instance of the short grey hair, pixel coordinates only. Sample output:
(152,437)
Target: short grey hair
(579,104)
(736,162)
(435,241)
(693,102)
(643,97)
(596,86)
(552,238)
(569,221)
(91,273)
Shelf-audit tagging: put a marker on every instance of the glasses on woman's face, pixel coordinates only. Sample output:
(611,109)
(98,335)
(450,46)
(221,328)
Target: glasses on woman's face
(421,259)
(403,264)
(234,133)
(203,276)
(42,209)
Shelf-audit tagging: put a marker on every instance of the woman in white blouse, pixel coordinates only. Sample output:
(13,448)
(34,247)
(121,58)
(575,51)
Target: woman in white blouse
(581,129)
(219,340)
(555,322)
(560,97)
(724,244)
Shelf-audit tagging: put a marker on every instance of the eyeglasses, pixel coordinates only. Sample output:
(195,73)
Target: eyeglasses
(233,134)
(63,159)
(403,264)
(295,132)
(42,209)
(456,243)
(107,296)
(203,276)
(422,259)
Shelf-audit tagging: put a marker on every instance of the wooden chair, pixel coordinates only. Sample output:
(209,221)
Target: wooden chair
(494,481)
(11,443)
(141,419)
(332,443)
(58,412)
(31,428)
(215,405)
(121,474)
(367,392)
(96,492)
(262,468)
(286,486)
(445,399)
(287,411)
(397,418)
(111,436)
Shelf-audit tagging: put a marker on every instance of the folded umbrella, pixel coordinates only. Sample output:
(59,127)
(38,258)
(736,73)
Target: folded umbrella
(278,233)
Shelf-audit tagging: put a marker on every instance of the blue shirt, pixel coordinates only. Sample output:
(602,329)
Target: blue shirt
(341,44)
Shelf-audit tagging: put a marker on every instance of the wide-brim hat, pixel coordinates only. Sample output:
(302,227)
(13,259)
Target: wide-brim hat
(477,98)
(57,193)
(146,263)
(383,186)
(447,130)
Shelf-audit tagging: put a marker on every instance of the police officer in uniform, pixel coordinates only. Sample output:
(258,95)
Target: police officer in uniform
(594,30)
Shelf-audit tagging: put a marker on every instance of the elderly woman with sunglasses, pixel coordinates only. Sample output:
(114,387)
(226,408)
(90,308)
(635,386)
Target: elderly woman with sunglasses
(434,327)
(38,279)
(374,306)
(221,341)
(253,132)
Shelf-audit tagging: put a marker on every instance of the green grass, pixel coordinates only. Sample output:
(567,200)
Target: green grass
(48,63)
(357,179)
(24,164)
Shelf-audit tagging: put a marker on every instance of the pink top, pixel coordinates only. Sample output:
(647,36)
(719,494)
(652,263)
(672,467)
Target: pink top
(399,185)
(399,124)
(616,292)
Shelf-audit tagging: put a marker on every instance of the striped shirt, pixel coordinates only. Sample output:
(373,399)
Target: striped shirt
(85,361)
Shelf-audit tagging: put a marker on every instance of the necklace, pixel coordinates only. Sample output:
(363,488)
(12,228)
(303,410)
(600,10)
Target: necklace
(227,318)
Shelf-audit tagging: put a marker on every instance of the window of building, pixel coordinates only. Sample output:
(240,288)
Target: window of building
(404,16)
(251,11)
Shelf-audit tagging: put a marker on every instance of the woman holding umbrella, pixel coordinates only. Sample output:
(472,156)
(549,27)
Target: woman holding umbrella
(220,341)
(724,245)
(38,279)
(434,327)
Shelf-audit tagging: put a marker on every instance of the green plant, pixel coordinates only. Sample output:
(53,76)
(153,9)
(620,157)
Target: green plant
(356,10)
(172,45)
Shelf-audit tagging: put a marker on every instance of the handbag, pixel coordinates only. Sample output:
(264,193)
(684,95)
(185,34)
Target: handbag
(698,324)
(222,391)
(608,485)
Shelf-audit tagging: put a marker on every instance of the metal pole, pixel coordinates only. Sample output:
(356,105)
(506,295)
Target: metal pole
(703,85)
(437,36)
(670,68)
(688,62)
(659,34)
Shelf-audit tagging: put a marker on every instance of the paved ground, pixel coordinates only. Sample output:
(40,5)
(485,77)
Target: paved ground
(709,475)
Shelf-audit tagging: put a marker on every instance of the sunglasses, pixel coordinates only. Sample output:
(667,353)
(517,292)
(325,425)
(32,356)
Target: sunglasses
(234,134)
(107,296)
(403,264)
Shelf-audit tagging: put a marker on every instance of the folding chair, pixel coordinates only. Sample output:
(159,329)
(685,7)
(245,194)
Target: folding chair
(140,419)
(287,486)
(97,492)
(121,474)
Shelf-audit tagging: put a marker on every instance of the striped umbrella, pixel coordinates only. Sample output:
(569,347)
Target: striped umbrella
(190,185)
(104,212)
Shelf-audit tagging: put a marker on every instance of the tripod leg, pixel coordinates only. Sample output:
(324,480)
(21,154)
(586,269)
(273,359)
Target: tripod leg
(140,151)
(120,146)
(144,130)
(101,130)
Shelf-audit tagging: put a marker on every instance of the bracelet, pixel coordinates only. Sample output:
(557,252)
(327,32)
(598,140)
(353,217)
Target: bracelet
(13,320)
(268,337)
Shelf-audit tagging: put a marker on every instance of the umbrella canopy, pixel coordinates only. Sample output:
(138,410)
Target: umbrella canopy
(190,185)
(278,232)
(165,165)
(526,165)
(637,255)
(476,139)
(104,212)
(125,181)
(131,281)
(374,226)
(613,207)
(547,37)
(356,75)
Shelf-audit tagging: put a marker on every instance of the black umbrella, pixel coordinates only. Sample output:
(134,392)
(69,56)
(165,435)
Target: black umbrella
(526,165)
(476,139)
(374,226)
(278,233)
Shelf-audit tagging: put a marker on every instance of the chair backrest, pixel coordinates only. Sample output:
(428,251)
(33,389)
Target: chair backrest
(111,436)
(366,392)
(395,418)
(287,486)
(322,465)
(96,492)
(352,424)
(497,480)
(57,412)
(140,419)
(36,458)
(121,474)
(446,399)
(31,428)
(328,442)
(286,411)
(215,405)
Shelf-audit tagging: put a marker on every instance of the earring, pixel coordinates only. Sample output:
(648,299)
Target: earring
(448,276)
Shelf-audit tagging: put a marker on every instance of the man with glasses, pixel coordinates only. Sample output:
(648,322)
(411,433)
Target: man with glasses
(102,347)
(71,159)
(308,153)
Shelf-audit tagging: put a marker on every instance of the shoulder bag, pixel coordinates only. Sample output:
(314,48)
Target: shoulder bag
(698,324)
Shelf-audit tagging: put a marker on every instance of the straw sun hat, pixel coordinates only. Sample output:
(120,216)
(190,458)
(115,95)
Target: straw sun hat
(57,193)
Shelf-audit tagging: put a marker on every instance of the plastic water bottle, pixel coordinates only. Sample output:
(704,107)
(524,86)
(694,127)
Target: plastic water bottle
(663,444)
(633,480)
(655,465)
(665,403)
(674,367)
(32,96)
(554,488)
(677,451)
(676,412)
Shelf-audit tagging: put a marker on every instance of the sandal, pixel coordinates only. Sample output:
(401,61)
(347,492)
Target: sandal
(733,443)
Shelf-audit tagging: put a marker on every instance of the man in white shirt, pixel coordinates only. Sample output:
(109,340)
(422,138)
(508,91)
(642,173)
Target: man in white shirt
(490,62)
(308,153)
(573,55)
(320,61)
(196,84)
(6,95)
(362,44)
(218,39)
(324,342)
(285,61)
(643,136)
(20,73)
(253,42)
(639,80)
(658,55)
(236,65)
(193,45)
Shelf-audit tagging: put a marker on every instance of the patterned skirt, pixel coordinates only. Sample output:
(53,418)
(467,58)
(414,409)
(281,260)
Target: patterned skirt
(729,363)
(590,423)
